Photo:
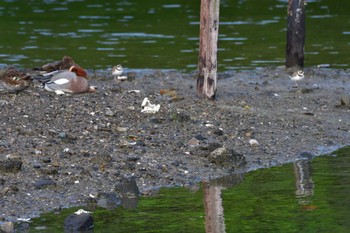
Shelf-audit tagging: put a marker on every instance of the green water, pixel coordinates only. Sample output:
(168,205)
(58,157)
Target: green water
(163,34)
(306,196)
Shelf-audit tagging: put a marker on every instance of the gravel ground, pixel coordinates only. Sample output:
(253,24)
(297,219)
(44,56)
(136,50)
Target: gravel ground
(60,151)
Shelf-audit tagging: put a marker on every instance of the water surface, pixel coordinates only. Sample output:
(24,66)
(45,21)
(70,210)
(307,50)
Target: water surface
(163,34)
(305,196)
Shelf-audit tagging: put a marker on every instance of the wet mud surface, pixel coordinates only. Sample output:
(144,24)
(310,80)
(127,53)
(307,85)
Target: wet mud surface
(61,151)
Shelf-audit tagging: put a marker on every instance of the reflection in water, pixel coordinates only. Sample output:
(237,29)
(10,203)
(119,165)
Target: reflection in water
(212,199)
(303,179)
(214,212)
(264,202)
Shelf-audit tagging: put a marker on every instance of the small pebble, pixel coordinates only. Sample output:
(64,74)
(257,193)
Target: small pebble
(39,184)
(218,132)
(36,165)
(193,142)
(109,112)
(62,135)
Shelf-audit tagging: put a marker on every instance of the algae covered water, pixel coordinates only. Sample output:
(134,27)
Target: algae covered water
(165,34)
(304,196)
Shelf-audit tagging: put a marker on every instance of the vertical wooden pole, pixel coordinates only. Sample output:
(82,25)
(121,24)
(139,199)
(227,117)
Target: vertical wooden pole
(207,62)
(295,34)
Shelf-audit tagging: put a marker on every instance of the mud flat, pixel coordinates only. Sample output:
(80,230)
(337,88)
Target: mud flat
(60,151)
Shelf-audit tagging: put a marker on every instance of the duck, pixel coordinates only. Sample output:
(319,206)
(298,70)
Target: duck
(14,80)
(71,81)
(66,63)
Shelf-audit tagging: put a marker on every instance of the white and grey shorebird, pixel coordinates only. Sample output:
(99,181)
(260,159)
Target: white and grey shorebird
(297,76)
(117,70)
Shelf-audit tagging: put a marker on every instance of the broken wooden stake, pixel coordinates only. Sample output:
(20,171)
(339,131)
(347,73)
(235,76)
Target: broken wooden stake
(295,34)
(207,62)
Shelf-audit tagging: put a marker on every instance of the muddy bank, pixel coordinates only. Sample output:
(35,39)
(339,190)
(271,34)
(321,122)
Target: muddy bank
(60,151)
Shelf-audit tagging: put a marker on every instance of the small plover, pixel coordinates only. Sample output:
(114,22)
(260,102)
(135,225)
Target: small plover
(297,76)
(117,70)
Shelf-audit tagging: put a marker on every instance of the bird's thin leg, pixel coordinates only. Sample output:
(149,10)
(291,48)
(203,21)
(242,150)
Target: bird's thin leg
(296,84)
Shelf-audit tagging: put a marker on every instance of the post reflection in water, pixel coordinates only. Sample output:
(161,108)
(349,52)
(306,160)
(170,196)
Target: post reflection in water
(303,181)
(214,211)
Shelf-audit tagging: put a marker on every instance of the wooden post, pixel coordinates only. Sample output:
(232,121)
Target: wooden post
(207,62)
(295,34)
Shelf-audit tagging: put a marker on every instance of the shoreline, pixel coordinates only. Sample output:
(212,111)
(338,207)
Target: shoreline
(72,147)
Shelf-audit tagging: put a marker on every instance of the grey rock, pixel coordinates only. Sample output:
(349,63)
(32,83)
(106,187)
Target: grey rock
(345,100)
(200,137)
(128,187)
(226,157)
(109,112)
(11,165)
(12,189)
(204,150)
(22,227)
(218,132)
(36,164)
(39,184)
(133,158)
(79,223)
(193,142)
(8,227)
(108,200)
(181,117)
(156,120)
(131,76)
(62,135)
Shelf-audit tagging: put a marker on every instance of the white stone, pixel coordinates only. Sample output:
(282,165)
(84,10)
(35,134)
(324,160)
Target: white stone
(253,142)
(147,107)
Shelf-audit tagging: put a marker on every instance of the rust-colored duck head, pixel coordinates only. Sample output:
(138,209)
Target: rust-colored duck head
(78,71)
(14,80)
